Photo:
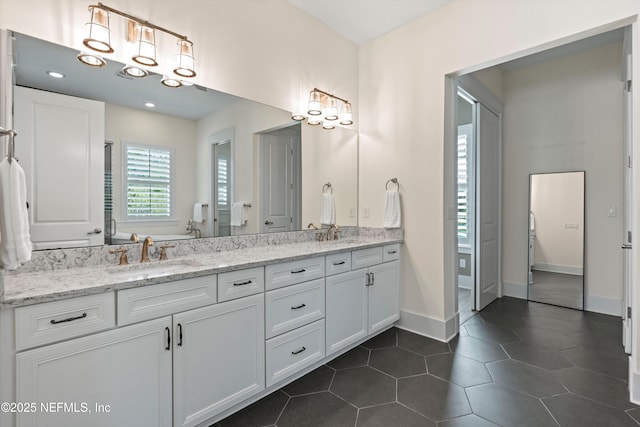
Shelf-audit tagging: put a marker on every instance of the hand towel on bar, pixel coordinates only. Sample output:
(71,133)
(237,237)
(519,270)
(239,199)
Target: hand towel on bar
(238,214)
(198,212)
(328,212)
(15,242)
(392,210)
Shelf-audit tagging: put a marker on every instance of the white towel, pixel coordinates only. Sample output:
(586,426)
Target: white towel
(328,212)
(392,210)
(238,214)
(15,241)
(198,212)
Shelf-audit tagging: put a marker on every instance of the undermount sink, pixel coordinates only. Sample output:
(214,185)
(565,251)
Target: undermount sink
(150,269)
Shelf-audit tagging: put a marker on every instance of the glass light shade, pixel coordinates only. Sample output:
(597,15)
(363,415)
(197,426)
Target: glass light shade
(91,59)
(99,34)
(185,64)
(314,121)
(133,71)
(331,112)
(170,82)
(346,117)
(146,47)
(328,125)
(315,106)
(298,116)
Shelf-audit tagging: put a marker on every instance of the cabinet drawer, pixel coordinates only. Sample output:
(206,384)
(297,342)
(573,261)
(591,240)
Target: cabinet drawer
(290,273)
(294,306)
(293,351)
(58,320)
(337,263)
(391,252)
(149,302)
(242,283)
(366,257)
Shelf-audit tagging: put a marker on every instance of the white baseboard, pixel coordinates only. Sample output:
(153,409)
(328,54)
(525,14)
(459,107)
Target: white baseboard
(428,326)
(634,383)
(515,290)
(564,269)
(604,305)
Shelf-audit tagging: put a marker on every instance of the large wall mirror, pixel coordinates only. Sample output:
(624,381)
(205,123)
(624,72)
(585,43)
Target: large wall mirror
(556,239)
(101,165)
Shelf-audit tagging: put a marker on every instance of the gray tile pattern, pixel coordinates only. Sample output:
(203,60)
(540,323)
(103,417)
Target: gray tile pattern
(517,363)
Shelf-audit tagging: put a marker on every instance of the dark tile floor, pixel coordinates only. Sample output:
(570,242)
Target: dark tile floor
(516,363)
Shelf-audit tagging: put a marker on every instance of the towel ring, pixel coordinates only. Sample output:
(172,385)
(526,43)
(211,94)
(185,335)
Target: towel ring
(395,181)
(327,185)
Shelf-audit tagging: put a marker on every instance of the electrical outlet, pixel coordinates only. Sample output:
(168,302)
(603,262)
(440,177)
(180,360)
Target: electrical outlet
(463,263)
(365,212)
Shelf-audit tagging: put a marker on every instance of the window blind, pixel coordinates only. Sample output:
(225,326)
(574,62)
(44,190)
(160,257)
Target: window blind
(148,182)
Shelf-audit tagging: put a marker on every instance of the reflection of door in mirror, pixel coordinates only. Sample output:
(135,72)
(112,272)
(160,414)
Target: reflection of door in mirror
(222,175)
(61,149)
(280,180)
(556,239)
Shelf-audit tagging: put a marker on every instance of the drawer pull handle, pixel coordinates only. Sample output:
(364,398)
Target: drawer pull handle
(302,270)
(339,263)
(180,334)
(248,282)
(299,351)
(70,319)
(391,252)
(299,306)
(168,347)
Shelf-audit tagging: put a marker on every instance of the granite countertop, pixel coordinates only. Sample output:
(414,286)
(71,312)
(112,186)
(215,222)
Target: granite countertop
(38,287)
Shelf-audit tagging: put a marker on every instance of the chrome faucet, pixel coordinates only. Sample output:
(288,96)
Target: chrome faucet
(333,227)
(148,241)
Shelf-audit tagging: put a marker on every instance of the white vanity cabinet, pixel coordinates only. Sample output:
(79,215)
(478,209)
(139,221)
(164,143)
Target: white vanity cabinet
(218,358)
(364,301)
(121,377)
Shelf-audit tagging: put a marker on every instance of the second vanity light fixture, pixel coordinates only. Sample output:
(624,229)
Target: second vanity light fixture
(323,110)
(143,34)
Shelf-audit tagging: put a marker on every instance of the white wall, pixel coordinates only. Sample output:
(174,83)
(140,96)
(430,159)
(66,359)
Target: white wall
(132,125)
(566,115)
(403,87)
(329,156)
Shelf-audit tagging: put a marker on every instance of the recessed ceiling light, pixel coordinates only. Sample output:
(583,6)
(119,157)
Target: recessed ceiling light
(149,104)
(55,74)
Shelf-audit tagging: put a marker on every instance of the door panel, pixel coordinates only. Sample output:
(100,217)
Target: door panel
(56,130)
(277,182)
(488,207)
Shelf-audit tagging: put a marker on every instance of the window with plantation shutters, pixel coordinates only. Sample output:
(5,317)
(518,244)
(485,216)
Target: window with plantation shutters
(147,182)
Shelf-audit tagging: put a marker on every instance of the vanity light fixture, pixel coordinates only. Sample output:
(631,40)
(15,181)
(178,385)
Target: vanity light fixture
(143,34)
(323,110)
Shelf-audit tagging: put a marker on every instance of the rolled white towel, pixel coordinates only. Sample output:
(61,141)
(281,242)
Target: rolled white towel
(392,211)
(328,211)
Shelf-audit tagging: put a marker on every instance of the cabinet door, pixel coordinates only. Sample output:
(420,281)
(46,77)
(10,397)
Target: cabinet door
(346,309)
(218,358)
(384,295)
(120,377)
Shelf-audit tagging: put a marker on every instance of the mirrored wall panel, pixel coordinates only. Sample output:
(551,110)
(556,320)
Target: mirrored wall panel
(556,239)
(110,157)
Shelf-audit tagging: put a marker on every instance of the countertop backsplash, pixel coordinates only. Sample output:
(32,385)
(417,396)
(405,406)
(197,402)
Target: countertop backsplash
(96,256)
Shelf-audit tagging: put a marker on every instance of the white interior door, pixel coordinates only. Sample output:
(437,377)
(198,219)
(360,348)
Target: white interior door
(627,197)
(60,145)
(277,183)
(487,206)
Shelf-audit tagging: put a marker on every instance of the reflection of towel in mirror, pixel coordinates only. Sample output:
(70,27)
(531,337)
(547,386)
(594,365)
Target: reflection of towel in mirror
(238,214)
(328,212)
(15,241)
(198,212)
(392,210)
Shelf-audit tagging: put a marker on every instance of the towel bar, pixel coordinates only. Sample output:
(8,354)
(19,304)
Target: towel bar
(327,185)
(11,144)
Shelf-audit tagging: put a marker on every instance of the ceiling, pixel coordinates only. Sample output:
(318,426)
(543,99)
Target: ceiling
(363,20)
